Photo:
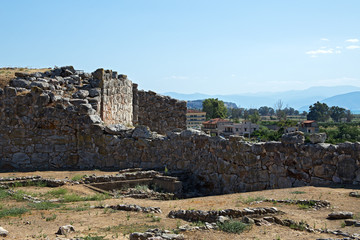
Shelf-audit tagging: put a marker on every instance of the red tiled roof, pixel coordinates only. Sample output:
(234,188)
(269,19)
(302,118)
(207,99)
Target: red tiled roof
(308,121)
(215,121)
(194,111)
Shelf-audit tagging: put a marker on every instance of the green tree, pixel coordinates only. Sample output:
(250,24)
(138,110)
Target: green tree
(337,113)
(319,112)
(255,117)
(214,108)
(348,116)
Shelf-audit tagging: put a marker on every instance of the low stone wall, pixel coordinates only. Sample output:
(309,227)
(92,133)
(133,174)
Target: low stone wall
(161,113)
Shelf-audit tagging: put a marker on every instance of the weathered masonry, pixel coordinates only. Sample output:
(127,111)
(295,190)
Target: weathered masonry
(66,119)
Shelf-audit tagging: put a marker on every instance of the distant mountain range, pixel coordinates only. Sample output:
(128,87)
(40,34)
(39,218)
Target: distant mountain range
(343,96)
(197,104)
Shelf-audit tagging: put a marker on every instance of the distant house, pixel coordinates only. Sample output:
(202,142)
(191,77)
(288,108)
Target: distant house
(195,118)
(213,125)
(309,126)
(246,128)
(226,128)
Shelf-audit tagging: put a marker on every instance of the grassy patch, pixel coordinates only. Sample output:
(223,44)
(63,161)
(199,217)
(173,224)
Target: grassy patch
(233,226)
(155,219)
(4,194)
(251,199)
(197,224)
(77,198)
(57,192)
(298,226)
(44,205)
(51,218)
(298,192)
(79,208)
(308,205)
(78,177)
(90,237)
(127,229)
(6,212)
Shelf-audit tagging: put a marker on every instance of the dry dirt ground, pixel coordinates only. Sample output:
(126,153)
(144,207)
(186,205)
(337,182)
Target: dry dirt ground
(9,73)
(111,224)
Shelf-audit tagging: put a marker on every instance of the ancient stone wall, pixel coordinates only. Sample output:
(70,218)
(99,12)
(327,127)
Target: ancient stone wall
(51,121)
(116,97)
(161,113)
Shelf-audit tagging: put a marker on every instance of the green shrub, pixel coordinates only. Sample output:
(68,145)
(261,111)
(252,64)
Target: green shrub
(233,226)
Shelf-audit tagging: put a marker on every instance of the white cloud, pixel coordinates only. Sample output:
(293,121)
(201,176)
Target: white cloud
(353,40)
(353,47)
(320,51)
(338,47)
(233,75)
(324,39)
(337,51)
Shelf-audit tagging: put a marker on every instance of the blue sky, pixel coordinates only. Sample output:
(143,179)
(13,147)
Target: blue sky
(213,47)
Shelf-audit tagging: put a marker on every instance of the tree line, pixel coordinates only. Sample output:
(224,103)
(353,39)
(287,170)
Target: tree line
(320,112)
(216,108)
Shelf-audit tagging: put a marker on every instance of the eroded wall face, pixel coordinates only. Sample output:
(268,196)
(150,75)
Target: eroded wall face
(117,99)
(161,113)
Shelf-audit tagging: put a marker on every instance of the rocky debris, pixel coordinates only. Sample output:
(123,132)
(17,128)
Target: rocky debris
(142,132)
(24,181)
(212,216)
(128,175)
(142,194)
(354,223)
(132,208)
(316,204)
(340,215)
(64,230)
(293,138)
(206,226)
(3,232)
(156,234)
(317,137)
(116,129)
(354,194)
(8,179)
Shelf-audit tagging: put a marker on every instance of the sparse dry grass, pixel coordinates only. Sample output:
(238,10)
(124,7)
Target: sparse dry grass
(45,218)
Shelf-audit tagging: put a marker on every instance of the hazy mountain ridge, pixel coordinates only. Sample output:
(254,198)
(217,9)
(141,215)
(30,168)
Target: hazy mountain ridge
(298,99)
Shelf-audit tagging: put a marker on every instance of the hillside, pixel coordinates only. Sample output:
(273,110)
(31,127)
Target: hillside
(294,98)
(349,101)
(7,73)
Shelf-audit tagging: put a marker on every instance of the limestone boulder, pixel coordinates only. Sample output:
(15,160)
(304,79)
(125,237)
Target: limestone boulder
(341,215)
(3,232)
(293,138)
(142,132)
(116,129)
(317,137)
(64,230)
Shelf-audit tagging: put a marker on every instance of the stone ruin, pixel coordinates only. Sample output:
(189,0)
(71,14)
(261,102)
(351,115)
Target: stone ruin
(68,119)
